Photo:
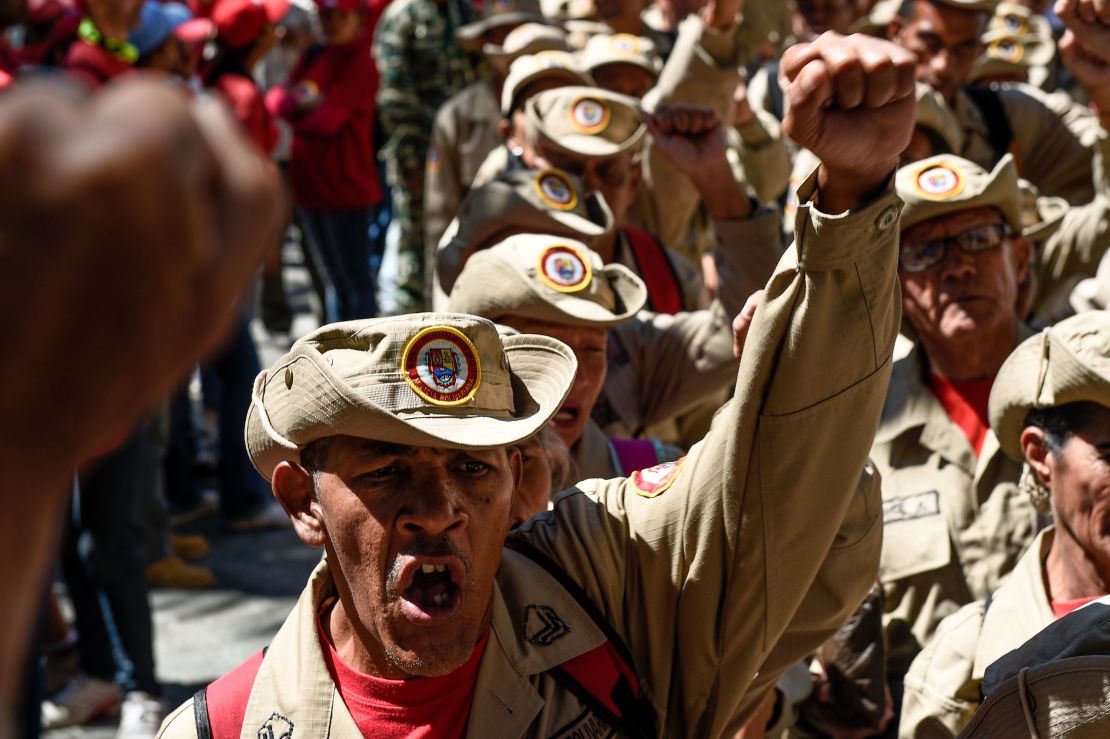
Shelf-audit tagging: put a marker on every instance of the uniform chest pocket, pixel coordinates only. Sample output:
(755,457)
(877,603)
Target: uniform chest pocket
(915,536)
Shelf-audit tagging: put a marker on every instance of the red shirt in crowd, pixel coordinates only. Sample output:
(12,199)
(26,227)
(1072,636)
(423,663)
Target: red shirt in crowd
(332,162)
(966,405)
(93,64)
(248,107)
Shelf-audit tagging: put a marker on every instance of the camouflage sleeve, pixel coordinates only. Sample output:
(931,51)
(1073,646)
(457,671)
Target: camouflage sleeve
(404,122)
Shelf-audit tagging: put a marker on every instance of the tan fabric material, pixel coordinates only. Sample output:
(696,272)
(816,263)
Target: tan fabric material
(463,135)
(1094,293)
(621,48)
(945,184)
(528,38)
(1053,150)
(543,65)
(942,687)
(374,379)
(933,113)
(547,278)
(586,121)
(497,14)
(519,201)
(728,572)
(1067,363)
(955,524)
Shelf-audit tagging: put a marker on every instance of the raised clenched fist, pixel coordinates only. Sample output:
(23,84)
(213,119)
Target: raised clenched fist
(851,102)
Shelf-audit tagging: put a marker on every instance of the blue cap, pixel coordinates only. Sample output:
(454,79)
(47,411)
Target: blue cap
(157,23)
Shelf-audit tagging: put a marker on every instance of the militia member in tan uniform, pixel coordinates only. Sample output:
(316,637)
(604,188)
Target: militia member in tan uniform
(955,521)
(466,128)
(1050,407)
(683,591)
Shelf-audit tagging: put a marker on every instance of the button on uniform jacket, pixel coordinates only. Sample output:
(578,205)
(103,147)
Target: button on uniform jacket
(718,573)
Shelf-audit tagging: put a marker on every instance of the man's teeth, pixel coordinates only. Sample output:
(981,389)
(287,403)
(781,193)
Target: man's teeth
(429,569)
(439,600)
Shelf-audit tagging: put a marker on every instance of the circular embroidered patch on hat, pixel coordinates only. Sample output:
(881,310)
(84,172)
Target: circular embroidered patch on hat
(655,481)
(1007,50)
(589,115)
(940,182)
(1014,22)
(563,268)
(441,366)
(555,190)
(624,43)
(433,161)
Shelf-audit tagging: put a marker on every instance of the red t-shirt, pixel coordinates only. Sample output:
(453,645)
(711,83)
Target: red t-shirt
(966,404)
(246,104)
(1061,608)
(332,163)
(421,708)
(93,64)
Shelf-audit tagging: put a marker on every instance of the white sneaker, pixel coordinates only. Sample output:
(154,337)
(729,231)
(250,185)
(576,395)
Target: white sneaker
(140,716)
(82,700)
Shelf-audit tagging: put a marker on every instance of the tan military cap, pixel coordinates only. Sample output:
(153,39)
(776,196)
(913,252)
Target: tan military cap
(1020,20)
(544,65)
(946,183)
(934,114)
(621,48)
(586,121)
(569,10)
(498,13)
(1067,363)
(528,38)
(1006,52)
(426,379)
(1093,293)
(547,278)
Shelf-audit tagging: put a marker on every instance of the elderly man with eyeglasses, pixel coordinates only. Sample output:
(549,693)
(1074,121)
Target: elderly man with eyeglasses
(955,522)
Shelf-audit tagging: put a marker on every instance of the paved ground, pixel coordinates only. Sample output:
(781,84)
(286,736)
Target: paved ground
(201,634)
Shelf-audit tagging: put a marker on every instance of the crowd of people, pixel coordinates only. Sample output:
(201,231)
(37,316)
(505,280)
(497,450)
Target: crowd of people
(696,368)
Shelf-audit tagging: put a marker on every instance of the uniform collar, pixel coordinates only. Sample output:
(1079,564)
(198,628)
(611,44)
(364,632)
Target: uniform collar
(1019,609)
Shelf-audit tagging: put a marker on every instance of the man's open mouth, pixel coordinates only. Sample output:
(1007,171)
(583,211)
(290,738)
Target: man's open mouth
(566,417)
(432,587)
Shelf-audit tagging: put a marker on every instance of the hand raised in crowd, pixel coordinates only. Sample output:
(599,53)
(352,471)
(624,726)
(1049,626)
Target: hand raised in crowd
(851,102)
(721,14)
(129,237)
(743,322)
(1085,49)
(692,138)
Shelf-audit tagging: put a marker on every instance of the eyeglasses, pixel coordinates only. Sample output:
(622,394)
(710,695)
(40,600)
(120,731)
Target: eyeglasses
(923,255)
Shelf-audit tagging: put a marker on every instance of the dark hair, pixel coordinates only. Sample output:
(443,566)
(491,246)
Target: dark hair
(1061,422)
(314,456)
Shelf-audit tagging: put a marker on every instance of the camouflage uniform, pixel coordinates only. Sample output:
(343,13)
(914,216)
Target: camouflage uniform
(421,65)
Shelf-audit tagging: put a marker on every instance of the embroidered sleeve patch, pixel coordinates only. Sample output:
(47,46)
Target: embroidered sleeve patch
(433,162)
(543,625)
(441,366)
(919,505)
(655,481)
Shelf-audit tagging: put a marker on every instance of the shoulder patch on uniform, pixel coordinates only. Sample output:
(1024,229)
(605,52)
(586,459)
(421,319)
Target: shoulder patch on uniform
(938,182)
(556,190)
(562,268)
(441,366)
(543,626)
(277,726)
(919,505)
(434,159)
(589,115)
(656,480)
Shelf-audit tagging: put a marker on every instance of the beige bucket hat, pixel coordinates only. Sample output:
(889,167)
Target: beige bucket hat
(1067,363)
(544,65)
(946,183)
(621,48)
(546,201)
(547,278)
(527,38)
(498,13)
(1007,52)
(586,121)
(426,379)
(1093,293)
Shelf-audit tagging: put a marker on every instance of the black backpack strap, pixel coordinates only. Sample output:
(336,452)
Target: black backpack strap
(994,115)
(638,719)
(200,714)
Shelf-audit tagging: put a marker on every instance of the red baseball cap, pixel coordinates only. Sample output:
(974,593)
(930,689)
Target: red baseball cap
(240,22)
(349,6)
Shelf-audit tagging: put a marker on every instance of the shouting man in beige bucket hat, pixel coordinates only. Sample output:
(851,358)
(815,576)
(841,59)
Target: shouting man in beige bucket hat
(665,604)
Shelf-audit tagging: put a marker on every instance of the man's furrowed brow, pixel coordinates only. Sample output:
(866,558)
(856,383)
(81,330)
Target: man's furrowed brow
(370,448)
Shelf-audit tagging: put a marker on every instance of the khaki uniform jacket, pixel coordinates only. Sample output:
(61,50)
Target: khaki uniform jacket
(1051,152)
(727,571)
(660,366)
(942,687)
(955,524)
(463,135)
